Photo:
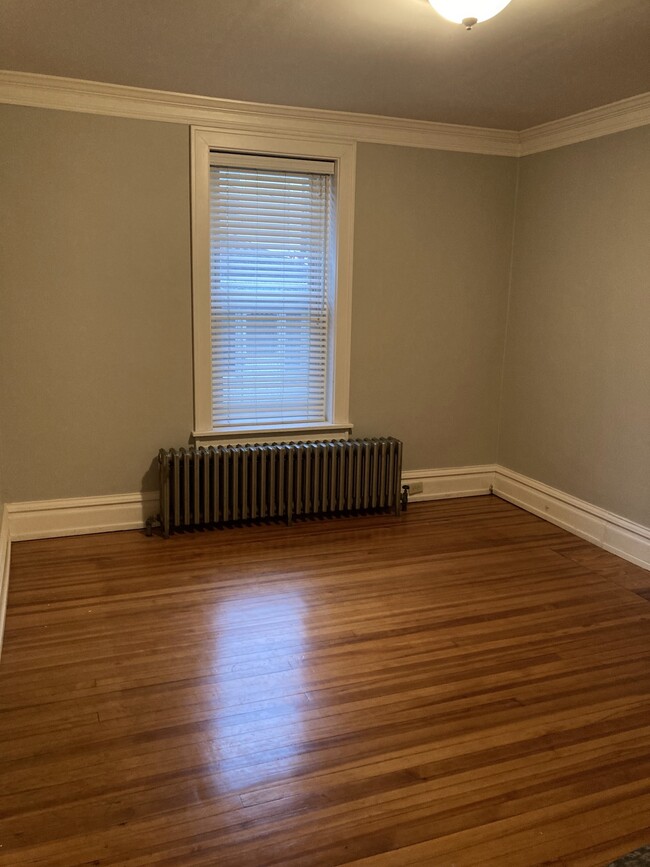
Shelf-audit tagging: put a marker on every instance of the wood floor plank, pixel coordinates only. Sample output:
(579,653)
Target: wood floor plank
(465,685)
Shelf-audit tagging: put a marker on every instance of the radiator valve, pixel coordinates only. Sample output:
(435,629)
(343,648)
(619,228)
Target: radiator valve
(150,523)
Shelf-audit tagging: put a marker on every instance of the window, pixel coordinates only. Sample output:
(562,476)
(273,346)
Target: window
(271,236)
(271,289)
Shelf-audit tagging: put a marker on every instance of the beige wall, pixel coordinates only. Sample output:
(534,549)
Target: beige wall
(433,235)
(95,324)
(95,328)
(576,399)
(95,334)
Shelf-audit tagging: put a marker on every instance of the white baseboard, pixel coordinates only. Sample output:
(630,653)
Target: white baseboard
(450,482)
(5,557)
(44,519)
(605,529)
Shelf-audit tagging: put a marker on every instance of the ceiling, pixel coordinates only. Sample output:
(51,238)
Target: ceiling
(537,61)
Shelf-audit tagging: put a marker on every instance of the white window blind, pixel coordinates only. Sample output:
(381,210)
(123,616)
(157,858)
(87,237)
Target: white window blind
(271,289)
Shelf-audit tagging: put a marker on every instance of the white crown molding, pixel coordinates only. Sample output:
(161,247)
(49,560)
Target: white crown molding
(450,482)
(605,529)
(608,119)
(5,558)
(45,519)
(69,94)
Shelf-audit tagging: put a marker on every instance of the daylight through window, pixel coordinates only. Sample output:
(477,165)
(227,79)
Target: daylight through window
(272,283)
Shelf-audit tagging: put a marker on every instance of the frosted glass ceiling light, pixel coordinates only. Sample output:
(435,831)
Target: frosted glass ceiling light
(468,12)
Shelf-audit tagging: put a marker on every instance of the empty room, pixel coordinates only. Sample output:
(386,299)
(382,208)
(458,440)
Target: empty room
(325,433)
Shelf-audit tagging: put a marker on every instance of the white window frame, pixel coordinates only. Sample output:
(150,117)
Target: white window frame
(292,145)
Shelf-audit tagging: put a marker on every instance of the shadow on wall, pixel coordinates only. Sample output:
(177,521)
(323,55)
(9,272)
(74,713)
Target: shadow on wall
(150,480)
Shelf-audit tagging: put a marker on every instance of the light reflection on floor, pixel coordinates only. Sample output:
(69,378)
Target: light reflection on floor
(259,698)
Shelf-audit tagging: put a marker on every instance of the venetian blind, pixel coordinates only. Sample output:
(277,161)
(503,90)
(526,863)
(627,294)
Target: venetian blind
(271,273)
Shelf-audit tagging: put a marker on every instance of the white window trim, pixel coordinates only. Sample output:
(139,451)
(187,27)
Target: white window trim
(343,153)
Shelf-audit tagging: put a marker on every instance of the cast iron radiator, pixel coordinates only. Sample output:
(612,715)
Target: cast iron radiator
(204,487)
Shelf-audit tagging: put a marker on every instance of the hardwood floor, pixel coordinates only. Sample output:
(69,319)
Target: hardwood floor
(465,685)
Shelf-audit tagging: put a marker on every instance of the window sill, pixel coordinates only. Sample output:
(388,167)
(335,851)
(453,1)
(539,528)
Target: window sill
(278,433)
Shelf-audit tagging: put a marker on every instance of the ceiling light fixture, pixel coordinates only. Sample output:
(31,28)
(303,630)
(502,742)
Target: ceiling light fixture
(468,12)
